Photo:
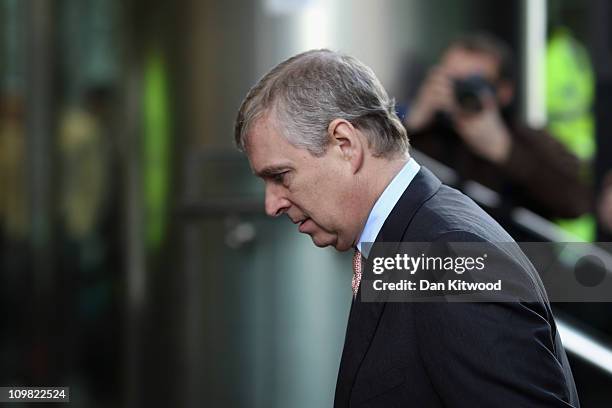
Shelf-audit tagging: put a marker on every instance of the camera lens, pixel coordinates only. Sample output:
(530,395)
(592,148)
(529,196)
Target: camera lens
(468,92)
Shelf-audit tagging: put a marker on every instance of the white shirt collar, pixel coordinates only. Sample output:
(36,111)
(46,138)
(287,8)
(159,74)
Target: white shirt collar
(385,203)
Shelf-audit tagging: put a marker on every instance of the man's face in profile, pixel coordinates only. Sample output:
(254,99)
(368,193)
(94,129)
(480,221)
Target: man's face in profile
(311,190)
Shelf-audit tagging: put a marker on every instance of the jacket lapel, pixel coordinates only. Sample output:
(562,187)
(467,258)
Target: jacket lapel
(365,316)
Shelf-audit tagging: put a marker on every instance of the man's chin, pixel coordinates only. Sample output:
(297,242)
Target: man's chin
(323,242)
(334,242)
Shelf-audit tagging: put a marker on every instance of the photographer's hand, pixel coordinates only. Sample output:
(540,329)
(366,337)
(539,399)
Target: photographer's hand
(485,132)
(436,94)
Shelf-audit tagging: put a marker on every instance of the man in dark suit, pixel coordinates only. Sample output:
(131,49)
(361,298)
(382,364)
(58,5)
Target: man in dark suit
(322,133)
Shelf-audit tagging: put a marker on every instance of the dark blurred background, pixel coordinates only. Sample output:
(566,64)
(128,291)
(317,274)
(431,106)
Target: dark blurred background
(136,264)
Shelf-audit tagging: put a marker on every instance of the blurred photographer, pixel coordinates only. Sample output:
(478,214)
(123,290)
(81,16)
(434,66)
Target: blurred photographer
(463,116)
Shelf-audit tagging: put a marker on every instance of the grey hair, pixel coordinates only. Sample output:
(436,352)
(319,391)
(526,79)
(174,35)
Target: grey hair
(309,90)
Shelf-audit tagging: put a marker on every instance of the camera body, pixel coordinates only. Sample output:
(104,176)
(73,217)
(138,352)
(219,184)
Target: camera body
(468,92)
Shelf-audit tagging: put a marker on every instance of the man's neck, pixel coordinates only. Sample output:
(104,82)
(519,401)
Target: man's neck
(381,171)
(384,174)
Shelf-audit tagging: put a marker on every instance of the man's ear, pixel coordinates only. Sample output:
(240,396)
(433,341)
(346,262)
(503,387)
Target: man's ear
(347,142)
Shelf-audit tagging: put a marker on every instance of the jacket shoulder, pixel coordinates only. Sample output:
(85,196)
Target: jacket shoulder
(450,213)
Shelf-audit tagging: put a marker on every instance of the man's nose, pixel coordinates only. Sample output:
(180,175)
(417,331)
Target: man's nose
(276,203)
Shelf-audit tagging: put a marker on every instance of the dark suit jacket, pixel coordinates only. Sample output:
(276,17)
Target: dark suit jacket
(498,354)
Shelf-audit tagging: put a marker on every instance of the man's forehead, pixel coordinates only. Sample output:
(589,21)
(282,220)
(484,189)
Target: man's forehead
(268,151)
(261,131)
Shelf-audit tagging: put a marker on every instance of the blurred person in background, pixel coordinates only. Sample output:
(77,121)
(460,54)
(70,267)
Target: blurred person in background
(89,233)
(85,164)
(463,115)
(13,194)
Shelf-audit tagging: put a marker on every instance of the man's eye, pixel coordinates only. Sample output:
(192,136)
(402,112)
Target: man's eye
(279,177)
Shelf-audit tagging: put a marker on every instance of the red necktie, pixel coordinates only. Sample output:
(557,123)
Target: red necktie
(356,272)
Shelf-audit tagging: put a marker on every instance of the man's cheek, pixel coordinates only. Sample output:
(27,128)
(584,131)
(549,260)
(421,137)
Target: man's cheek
(322,227)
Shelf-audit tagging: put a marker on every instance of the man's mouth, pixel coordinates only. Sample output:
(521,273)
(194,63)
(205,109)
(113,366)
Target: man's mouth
(302,224)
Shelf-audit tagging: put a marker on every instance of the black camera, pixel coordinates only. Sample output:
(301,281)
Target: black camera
(468,92)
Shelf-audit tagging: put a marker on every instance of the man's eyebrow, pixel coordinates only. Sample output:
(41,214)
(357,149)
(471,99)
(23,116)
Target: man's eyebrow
(271,171)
